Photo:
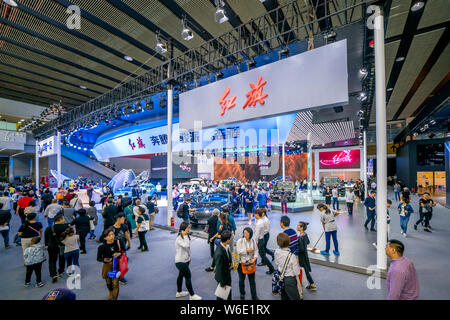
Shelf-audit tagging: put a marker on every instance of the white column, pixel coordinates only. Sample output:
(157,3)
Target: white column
(58,158)
(284,167)
(310,164)
(169,155)
(380,88)
(365,164)
(37,165)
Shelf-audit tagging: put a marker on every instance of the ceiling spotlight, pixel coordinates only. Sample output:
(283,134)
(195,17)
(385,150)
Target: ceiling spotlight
(128,58)
(219,75)
(400,59)
(149,104)
(415,134)
(160,47)
(220,15)
(426,126)
(12,3)
(432,122)
(251,63)
(417,6)
(186,33)
(284,52)
(390,89)
(162,103)
(363,73)
(83,87)
(362,96)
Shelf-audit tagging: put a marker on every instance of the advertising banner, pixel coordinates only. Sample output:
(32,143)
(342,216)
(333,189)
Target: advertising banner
(12,140)
(342,159)
(47,147)
(184,170)
(316,78)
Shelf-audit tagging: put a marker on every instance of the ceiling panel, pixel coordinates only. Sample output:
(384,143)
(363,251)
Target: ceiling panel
(436,11)
(417,56)
(397,17)
(437,73)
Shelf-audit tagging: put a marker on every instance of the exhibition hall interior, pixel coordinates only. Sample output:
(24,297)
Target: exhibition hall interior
(224,150)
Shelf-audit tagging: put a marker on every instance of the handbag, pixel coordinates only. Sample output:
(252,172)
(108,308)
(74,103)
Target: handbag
(248,267)
(278,279)
(156,210)
(123,263)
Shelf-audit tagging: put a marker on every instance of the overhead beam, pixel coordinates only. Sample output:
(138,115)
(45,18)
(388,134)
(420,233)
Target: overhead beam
(54,69)
(412,22)
(21,94)
(73,32)
(59,59)
(277,17)
(64,46)
(433,27)
(429,64)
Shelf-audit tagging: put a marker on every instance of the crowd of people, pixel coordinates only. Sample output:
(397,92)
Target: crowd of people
(70,222)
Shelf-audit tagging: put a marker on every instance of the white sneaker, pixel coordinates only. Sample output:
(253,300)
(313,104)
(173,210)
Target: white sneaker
(404,234)
(375,245)
(182,294)
(195,297)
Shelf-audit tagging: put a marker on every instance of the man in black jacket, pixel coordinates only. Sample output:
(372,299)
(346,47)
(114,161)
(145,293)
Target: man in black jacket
(52,237)
(109,213)
(223,260)
(212,230)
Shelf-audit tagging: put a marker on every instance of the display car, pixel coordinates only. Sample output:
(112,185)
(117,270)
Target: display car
(204,209)
(150,188)
(190,185)
(289,188)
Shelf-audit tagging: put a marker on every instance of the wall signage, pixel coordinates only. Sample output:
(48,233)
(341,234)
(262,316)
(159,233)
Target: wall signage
(343,159)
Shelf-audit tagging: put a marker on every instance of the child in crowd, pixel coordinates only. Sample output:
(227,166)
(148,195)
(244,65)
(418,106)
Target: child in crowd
(71,249)
(34,257)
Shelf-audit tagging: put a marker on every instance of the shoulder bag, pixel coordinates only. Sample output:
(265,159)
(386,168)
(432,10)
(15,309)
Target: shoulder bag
(123,262)
(278,279)
(248,267)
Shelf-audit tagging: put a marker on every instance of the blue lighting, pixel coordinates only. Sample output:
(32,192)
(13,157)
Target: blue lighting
(85,149)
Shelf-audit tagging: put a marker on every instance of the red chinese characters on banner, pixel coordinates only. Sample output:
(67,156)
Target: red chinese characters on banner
(132,145)
(140,143)
(225,103)
(256,93)
(254,96)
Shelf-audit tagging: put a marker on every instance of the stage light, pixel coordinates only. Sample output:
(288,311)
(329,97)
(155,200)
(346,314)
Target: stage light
(417,6)
(399,59)
(251,63)
(415,134)
(363,73)
(220,15)
(128,58)
(362,96)
(149,104)
(12,3)
(432,122)
(390,89)
(83,87)
(219,75)
(186,33)
(284,52)
(160,47)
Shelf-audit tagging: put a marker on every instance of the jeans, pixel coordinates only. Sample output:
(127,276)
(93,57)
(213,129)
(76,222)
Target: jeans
(37,270)
(335,203)
(370,218)
(72,257)
(397,195)
(5,235)
(329,234)
(184,272)
(262,253)
(50,221)
(251,280)
(404,223)
(350,208)
(53,257)
(142,241)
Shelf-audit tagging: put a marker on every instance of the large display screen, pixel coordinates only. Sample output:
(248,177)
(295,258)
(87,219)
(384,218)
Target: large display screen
(430,154)
(184,170)
(342,159)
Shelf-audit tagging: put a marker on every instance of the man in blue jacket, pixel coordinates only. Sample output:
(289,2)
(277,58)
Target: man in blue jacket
(371,205)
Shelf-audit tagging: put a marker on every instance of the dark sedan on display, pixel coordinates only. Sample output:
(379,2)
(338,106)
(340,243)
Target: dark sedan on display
(204,209)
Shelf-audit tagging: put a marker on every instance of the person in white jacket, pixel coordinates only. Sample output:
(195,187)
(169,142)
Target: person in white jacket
(182,260)
(247,249)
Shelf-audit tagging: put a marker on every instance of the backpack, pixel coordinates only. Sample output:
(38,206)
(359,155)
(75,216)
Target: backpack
(278,279)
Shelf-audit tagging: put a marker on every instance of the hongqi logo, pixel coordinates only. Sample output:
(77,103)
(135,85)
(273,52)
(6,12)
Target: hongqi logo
(340,158)
(185,167)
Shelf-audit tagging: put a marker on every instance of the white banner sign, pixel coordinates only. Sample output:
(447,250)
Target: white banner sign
(12,140)
(316,78)
(47,147)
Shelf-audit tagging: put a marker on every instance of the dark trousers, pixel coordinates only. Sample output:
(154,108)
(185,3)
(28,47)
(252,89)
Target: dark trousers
(142,241)
(37,271)
(290,290)
(370,218)
(251,280)
(53,257)
(350,208)
(83,235)
(332,234)
(22,216)
(266,241)
(184,272)
(424,217)
(5,235)
(262,253)
(309,277)
(211,251)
